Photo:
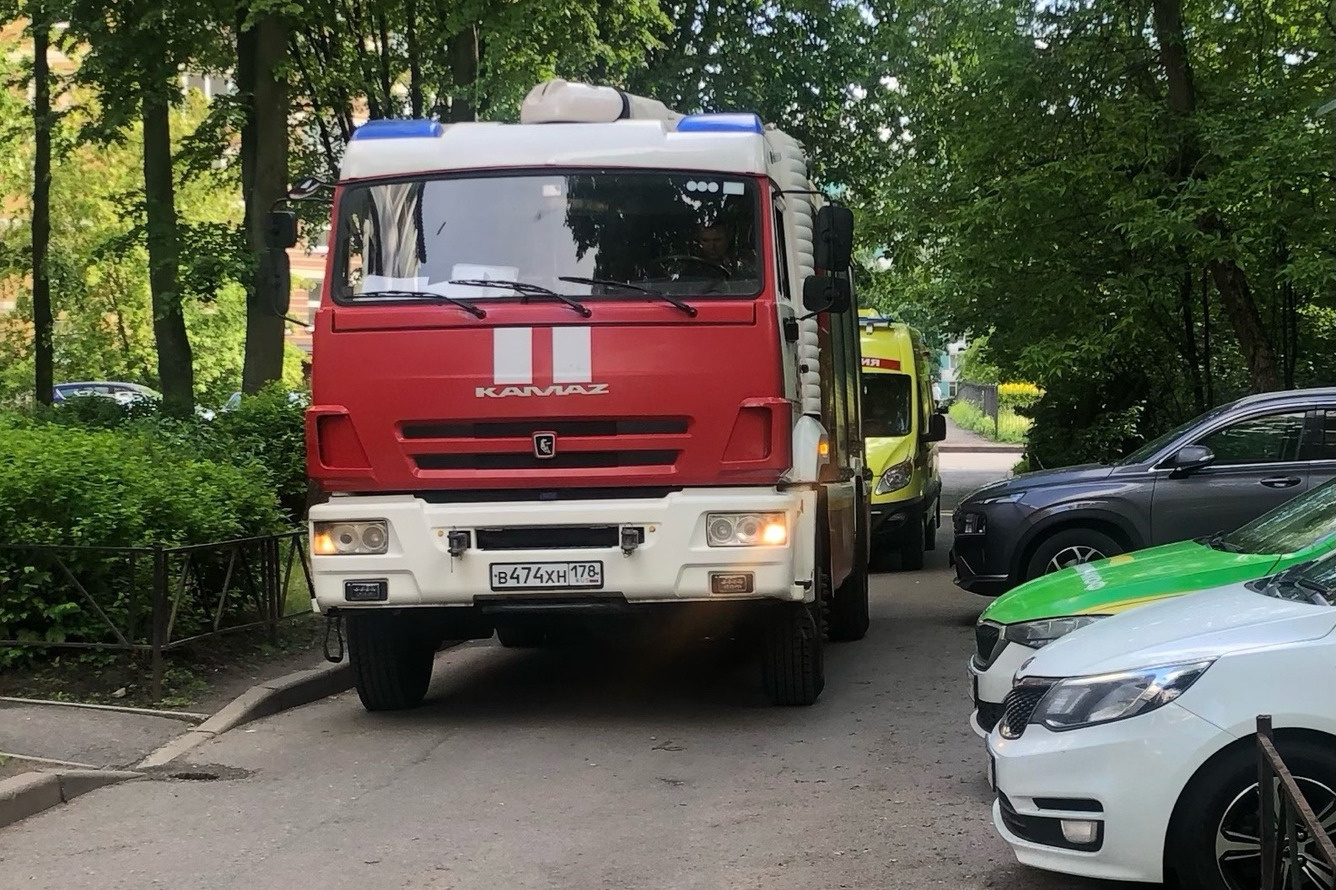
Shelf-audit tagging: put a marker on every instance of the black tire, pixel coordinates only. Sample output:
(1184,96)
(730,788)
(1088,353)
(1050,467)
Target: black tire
(513,637)
(1227,788)
(391,660)
(792,663)
(1086,543)
(848,617)
(912,547)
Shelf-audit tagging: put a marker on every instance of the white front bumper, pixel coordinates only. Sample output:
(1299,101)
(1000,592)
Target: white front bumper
(993,684)
(673,564)
(1135,769)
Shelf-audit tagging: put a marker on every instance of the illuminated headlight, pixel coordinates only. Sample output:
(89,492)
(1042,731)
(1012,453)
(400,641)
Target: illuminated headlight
(1037,634)
(746,529)
(347,538)
(1087,701)
(895,478)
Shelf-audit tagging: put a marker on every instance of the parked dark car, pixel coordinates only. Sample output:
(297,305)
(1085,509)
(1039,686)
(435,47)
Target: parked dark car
(1213,474)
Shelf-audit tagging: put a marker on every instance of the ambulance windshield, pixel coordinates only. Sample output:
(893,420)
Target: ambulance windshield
(674,233)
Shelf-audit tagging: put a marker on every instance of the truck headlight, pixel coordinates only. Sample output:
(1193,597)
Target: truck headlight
(1037,634)
(746,529)
(348,538)
(1087,701)
(896,477)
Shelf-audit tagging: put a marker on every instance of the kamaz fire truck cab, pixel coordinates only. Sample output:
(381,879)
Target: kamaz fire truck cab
(596,367)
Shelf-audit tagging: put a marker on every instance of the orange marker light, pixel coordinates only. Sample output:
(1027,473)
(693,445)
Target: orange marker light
(323,544)
(774,534)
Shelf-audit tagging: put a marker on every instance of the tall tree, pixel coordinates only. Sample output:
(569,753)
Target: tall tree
(136,49)
(43,323)
(262,49)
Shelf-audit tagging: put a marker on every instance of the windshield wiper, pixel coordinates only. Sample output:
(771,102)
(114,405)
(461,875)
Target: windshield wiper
(1217,542)
(1320,596)
(611,282)
(425,295)
(527,290)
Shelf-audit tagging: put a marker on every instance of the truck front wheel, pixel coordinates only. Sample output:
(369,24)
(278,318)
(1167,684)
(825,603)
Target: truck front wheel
(792,666)
(391,658)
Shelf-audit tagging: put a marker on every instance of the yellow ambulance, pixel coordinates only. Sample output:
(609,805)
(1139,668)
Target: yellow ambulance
(902,426)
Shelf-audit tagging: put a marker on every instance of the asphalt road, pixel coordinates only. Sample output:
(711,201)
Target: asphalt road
(581,768)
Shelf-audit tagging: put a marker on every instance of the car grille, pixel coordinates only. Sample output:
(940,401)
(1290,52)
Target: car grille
(1017,708)
(986,638)
(989,714)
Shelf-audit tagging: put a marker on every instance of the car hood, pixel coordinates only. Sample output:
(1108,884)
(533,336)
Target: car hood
(1121,582)
(1043,479)
(1197,626)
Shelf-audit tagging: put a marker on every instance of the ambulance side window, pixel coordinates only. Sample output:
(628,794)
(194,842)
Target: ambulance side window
(782,256)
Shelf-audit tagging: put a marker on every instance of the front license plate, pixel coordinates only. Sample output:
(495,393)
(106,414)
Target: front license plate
(547,575)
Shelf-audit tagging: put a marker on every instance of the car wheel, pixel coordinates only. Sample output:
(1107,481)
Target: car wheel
(1215,838)
(1071,547)
(912,546)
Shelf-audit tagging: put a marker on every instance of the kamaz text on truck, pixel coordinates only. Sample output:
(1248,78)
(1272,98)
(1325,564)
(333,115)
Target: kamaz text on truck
(598,369)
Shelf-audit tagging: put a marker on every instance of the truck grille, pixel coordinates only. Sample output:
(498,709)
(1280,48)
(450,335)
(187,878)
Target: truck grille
(1018,707)
(573,460)
(524,429)
(585,443)
(553,537)
(986,638)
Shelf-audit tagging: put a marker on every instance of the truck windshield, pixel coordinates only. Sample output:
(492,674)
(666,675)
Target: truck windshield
(1299,523)
(671,233)
(887,405)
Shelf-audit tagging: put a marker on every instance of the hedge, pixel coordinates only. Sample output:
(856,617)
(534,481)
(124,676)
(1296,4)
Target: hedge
(95,474)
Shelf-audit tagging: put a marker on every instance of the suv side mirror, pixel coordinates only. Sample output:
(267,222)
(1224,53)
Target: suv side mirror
(833,241)
(1189,459)
(280,229)
(936,428)
(822,293)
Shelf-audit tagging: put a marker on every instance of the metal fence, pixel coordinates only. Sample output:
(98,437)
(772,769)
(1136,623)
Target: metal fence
(1293,836)
(152,599)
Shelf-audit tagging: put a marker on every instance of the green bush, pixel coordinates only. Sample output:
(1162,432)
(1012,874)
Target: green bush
(1011,427)
(99,488)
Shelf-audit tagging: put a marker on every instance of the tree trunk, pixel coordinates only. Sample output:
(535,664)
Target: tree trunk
(463,74)
(42,320)
(268,128)
(176,372)
(1230,279)
(1186,294)
(415,96)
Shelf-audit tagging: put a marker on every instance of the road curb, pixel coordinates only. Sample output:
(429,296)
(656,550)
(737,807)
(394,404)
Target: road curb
(262,700)
(28,794)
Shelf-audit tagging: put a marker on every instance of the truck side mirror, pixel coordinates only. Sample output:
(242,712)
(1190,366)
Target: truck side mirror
(823,293)
(280,230)
(833,241)
(936,428)
(276,275)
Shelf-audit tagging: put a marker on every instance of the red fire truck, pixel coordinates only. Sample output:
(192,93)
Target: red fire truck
(597,369)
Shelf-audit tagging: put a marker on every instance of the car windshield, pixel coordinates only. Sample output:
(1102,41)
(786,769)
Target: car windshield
(1298,523)
(887,405)
(674,233)
(1146,451)
(1313,581)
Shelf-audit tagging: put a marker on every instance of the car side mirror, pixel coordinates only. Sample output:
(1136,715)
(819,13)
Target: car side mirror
(1189,459)
(833,241)
(936,428)
(280,230)
(823,293)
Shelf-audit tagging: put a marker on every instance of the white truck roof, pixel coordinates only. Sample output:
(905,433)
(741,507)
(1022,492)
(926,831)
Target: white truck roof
(567,125)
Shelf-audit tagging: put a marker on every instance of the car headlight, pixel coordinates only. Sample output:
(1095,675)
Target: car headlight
(1037,634)
(1087,701)
(896,477)
(1010,498)
(746,529)
(364,538)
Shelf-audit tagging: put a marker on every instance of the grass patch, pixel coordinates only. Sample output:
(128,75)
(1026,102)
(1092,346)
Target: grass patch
(1011,427)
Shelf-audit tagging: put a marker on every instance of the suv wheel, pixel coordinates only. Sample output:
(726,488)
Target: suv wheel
(1071,547)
